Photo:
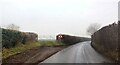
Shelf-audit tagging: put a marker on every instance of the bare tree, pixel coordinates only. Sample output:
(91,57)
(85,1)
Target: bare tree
(93,28)
(13,27)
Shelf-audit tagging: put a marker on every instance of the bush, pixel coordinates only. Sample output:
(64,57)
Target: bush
(12,37)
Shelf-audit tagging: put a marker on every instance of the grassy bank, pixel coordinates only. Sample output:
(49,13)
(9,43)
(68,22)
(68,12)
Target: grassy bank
(22,47)
(50,43)
(18,49)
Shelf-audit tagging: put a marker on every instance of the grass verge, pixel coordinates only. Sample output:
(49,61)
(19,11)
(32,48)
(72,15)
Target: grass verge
(50,43)
(18,49)
(23,47)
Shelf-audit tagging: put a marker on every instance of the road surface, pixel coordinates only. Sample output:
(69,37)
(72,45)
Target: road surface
(78,53)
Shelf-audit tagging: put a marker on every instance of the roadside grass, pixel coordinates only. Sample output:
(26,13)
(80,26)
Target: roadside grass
(0,56)
(23,47)
(50,43)
(18,49)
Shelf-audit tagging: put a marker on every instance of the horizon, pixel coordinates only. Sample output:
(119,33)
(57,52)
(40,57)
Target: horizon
(50,17)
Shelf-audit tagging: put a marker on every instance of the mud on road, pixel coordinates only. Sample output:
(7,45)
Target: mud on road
(33,56)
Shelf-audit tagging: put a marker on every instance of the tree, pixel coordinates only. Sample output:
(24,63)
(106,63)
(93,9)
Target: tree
(93,28)
(13,27)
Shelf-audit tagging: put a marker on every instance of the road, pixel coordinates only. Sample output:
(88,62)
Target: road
(78,53)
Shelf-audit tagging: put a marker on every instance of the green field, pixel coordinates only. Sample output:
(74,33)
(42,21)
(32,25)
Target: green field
(49,43)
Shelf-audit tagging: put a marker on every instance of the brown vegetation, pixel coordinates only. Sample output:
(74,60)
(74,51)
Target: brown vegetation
(105,41)
(32,56)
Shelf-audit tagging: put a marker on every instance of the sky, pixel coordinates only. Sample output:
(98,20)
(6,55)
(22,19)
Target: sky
(48,18)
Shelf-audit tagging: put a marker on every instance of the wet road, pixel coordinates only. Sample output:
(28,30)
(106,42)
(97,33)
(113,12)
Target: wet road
(78,53)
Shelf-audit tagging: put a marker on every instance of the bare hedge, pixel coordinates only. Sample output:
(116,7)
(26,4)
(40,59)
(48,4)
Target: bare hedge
(119,41)
(105,41)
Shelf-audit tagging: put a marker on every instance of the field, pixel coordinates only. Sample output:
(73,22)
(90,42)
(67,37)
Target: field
(50,43)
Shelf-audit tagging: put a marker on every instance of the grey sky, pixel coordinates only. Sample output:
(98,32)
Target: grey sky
(51,17)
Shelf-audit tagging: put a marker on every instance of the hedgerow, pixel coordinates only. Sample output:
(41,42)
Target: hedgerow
(12,37)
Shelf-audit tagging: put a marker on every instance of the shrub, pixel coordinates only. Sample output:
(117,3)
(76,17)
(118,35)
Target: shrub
(12,37)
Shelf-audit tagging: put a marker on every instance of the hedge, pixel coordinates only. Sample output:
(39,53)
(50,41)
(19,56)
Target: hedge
(12,37)
(105,41)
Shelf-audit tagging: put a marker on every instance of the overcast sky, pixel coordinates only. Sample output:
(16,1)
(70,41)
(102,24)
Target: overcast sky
(51,17)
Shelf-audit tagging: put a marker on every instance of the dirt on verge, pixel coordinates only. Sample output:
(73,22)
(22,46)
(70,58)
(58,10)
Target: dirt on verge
(32,56)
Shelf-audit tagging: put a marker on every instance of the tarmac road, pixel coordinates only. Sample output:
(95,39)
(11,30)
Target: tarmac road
(78,53)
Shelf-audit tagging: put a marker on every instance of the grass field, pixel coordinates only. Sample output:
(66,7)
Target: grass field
(22,47)
(50,43)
